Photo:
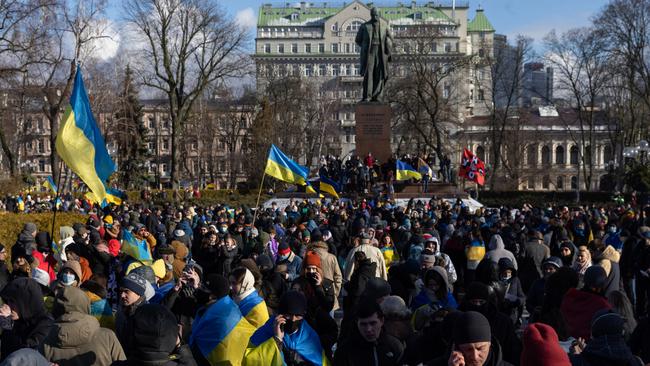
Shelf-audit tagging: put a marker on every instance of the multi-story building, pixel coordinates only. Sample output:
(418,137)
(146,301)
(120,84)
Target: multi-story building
(317,43)
(537,85)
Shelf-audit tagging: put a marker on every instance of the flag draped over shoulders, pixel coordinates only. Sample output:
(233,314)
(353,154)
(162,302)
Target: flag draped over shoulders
(254,309)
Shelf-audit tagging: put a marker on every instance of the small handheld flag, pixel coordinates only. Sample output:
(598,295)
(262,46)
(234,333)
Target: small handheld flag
(406,171)
(49,184)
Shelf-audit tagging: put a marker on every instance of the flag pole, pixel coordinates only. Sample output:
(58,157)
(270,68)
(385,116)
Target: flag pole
(56,198)
(259,194)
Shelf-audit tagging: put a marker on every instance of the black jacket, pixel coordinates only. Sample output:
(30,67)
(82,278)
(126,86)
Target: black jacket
(606,351)
(386,351)
(25,296)
(494,359)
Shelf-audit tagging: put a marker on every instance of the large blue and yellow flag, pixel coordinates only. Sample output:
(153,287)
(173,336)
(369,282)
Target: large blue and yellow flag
(136,249)
(221,333)
(80,143)
(279,166)
(115,196)
(406,171)
(329,186)
(254,309)
(264,351)
(49,184)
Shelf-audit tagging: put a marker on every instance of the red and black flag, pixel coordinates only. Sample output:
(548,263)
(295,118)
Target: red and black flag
(472,168)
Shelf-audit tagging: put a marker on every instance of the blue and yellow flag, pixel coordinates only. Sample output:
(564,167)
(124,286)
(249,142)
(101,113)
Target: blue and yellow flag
(254,309)
(115,196)
(49,184)
(329,186)
(221,333)
(136,249)
(264,351)
(405,171)
(80,143)
(279,166)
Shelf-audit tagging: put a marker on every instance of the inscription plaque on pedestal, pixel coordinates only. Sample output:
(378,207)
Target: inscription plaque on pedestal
(373,130)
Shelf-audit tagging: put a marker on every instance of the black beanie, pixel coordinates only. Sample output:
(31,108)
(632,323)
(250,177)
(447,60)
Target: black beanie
(217,284)
(471,327)
(293,303)
(43,241)
(376,288)
(155,331)
(606,322)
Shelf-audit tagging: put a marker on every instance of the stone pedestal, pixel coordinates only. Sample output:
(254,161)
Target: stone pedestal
(373,130)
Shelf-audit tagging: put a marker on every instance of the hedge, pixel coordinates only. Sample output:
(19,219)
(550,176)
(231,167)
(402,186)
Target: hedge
(11,224)
(542,199)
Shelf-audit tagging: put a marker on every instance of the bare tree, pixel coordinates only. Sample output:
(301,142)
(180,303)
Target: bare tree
(190,44)
(581,63)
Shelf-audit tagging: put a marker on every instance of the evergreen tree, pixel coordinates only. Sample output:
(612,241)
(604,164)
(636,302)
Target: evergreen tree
(131,136)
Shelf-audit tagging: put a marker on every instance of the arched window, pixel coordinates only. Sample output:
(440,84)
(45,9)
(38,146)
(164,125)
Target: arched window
(574,182)
(546,182)
(546,155)
(607,154)
(574,155)
(588,155)
(559,184)
(480,152)
(531,155)
(559,156)
(531,182)
(353,26)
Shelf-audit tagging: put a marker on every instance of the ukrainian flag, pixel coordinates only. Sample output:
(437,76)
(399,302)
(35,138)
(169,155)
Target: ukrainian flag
(49,184)
(254,309)
(137,249)
(221,333)
(115,196)
(81,145)
(279,166)
(264,351)
(329,186)
(405,171)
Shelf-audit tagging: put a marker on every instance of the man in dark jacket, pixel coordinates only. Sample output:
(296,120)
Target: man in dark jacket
(535,252)
(374,347)
(473,344)
(23,318)
(27,238)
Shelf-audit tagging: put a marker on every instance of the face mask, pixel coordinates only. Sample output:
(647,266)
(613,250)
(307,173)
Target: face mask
(291,327)
(223,229)
(580,232)
(612,229)
(67,279)
(506,277)
(283,257)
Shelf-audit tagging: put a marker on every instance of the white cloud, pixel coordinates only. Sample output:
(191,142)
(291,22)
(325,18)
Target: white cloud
(246,18)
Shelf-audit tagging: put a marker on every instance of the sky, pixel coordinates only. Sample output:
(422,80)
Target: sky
(533,18)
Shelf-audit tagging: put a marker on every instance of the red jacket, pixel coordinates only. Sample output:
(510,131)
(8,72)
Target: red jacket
(578,308)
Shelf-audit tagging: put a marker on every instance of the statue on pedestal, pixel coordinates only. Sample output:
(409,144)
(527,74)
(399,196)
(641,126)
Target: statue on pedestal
(376,42)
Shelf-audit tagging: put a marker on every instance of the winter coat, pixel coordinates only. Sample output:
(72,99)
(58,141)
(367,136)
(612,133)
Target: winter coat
(76,337)
(424,299)
(537,253)
(578,308)
(293,264)
(26,241)
(494,359)
(330,268)
(497,250)
(124,323)
(609,259)
(606,350)
(47,264)
(372,253)
(25,296)
(356,351)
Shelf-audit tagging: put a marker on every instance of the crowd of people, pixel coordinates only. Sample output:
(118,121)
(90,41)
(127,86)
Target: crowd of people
(331,283)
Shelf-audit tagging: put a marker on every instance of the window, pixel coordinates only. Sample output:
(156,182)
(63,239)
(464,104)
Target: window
(281,48)
(434,47)
(308,48)
(481,95)
(531,155)
(40,125)
(546,155)
(30,146)
(152,122)
(354,26)
(164,168)
(348,48)
(335,48)
(480,153)
(559,156)
(559,185)
(41,147)
(446,90)
(531,182)
(165,144)
(417,15)
(267,48)
(481,74)
(481,52)
(575,155)
(194,146)
(336,69)
(166,123)
(607,154)
(41,165)
(28,124)
(322,70)
(546,182)
(574,182)
(447,47)
(355,70)
(309,70)
(344,69)
(588,154)
(294,48)
(151,145)
(321,47)
(335,27)
(294,16)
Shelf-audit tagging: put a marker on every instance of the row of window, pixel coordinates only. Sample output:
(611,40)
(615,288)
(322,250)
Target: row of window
(309,70)
(558,185)
(560,159)
(311,48)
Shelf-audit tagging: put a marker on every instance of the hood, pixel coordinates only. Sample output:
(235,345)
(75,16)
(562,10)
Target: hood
(180,250)
(443,274)
(73,330)
(609,348)
(25,296)
(319,245)
(72,299)
(64,244)
(611,254)
(496,242)
(26,356)
(26,237)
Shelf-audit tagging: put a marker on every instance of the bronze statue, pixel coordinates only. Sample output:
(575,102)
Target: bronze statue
(376,41)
